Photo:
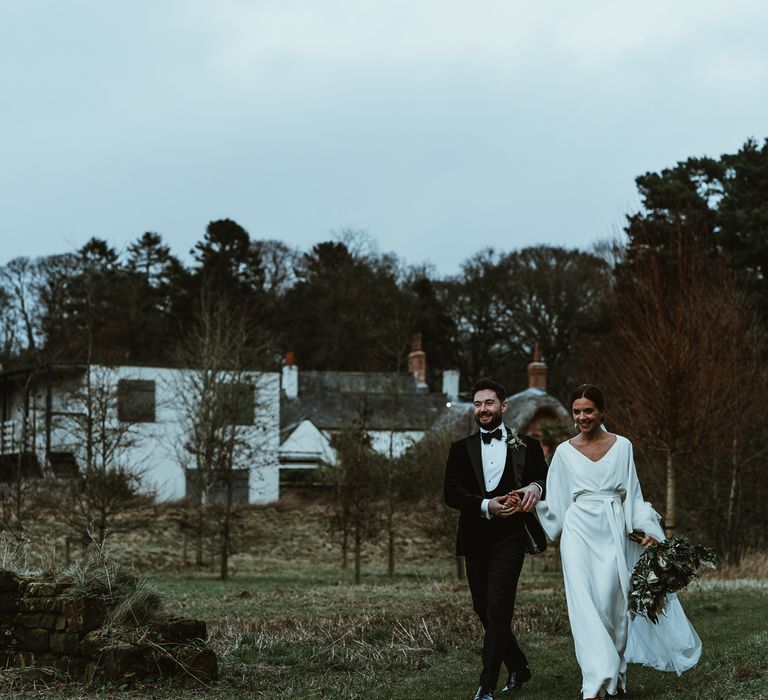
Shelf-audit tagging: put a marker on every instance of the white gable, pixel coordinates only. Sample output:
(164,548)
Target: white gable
(306,446)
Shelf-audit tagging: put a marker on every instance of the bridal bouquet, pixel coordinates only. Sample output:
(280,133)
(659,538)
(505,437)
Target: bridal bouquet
(664,568)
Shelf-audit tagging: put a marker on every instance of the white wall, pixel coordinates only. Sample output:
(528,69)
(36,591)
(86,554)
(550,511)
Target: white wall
(399,443)
(157,450)
(304,444)
(307,441)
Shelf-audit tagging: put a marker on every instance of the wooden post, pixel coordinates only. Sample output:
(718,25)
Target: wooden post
(358,553)
(670,519)
(460,570)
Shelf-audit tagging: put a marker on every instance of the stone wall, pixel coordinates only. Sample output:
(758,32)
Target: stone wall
(57,627)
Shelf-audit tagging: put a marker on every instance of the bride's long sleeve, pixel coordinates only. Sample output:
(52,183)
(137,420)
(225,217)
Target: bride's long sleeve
(638,513)
(551,511)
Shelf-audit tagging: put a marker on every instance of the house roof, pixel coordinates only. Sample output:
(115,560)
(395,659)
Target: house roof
(74,367)
(522,408)
(315,383)
(336,401)
(459,420)
(53,367)
(524,405)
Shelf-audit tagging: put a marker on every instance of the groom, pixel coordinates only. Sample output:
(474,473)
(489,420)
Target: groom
(495,478)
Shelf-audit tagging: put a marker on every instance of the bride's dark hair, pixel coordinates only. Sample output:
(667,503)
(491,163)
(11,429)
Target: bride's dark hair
(591,392)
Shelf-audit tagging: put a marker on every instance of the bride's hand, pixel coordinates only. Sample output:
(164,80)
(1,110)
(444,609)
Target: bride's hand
(647,541)
(529,496)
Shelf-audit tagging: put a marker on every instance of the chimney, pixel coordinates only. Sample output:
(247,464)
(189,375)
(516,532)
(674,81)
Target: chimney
(290,379)
(417,362)
(451,384)
(537,371)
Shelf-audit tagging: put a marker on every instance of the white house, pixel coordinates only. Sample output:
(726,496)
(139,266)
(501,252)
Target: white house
(397,409)
(147,407)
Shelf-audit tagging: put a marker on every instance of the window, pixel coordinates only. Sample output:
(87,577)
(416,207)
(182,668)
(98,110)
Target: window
(217,491)
(136,401)
(237,403)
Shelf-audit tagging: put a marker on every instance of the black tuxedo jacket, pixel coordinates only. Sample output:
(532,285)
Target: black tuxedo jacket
(464,489)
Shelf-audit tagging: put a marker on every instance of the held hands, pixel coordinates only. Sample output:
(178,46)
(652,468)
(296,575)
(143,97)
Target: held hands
(519,501)
(527,498)
(504,506)
(647,541)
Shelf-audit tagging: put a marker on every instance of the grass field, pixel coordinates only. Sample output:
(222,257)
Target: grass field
(285,635)
(297,628)
(298,631)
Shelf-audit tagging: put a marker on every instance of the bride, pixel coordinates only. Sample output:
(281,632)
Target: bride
(594,500)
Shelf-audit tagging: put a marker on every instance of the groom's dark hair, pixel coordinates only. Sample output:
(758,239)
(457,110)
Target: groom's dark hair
(484,383)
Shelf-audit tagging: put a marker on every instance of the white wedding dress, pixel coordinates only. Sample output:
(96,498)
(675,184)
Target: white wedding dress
(595,505)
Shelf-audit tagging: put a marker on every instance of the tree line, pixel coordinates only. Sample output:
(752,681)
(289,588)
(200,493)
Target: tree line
(670,319)
(342,305)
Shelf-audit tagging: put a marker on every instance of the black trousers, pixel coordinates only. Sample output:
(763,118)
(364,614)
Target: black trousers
(493,583)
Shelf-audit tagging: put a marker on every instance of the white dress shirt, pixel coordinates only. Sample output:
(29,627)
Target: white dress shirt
(494,457)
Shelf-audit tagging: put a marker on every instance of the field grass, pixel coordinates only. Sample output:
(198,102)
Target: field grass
(290,624)
(285,635)
(302,631)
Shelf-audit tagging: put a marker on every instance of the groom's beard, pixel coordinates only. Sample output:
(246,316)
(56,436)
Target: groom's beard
(491,424)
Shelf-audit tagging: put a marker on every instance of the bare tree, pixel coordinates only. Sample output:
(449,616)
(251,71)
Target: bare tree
(35,290)
(726,491)
(107,484)
(17,493)
(396,492)
(218,397)
(681,330)
(8,330)
(505,303)
(427,466)
(22,283)
(279,263)
(356,480)
(20,280)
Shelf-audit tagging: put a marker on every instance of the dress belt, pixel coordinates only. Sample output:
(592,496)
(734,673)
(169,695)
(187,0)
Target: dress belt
(611,502)
(621,494)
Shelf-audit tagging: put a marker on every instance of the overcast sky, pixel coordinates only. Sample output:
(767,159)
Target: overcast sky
(439,127)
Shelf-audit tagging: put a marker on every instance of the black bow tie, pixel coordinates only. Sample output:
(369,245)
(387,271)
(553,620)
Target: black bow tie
(487,437)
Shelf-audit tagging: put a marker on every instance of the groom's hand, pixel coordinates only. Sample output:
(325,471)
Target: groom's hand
(529,496)
(501,507)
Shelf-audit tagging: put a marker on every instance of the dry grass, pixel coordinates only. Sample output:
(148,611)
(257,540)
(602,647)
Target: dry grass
(289,623)
(130,599)
(376,640)
(753,565)
(152,539)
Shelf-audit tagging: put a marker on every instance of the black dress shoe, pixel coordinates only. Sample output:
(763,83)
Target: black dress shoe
(483,694)
(516,679)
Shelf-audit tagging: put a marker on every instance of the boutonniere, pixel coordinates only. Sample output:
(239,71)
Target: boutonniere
(513,439)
